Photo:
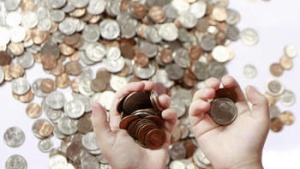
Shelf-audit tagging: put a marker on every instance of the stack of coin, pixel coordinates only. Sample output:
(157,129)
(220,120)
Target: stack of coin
(223,110)
(141,117)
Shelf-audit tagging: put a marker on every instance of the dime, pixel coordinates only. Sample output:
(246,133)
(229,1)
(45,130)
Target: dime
(290,51)
(287,98)
(275,87)
(249,36)
(45,145)
(14,137)
(223,111)
(250,71)
(16,161)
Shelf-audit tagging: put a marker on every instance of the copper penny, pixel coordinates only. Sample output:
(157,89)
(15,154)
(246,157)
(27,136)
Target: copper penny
(286,62)
(42,128)
(127,120)
(62,81)
(126,71)
(223,111)
(78,12)
(98,85)
(157,120)
(33,110)
(132,127)
(195,52)
(73,149)
(166,56)
(47,85)
(85,124)
(73,68)
(16,70)
(58,70)
(38,37)
(276,69)
(5,58)
(226,92)
(287,118)
(37,57)
(7,76)
(103,74)
(49,61)
(75,85)
(138,126)
(137,10)
(155,139)
(16,48)
(73,39)
(154,101)
(141,59)
(190,148)
(276,124)
(127,50)
(137,100)
(144,130)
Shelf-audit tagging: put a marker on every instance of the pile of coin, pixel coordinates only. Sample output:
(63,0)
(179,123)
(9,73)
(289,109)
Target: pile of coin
(174,43)
(141,117)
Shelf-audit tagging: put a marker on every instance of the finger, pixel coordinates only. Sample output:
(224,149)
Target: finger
(197,110)
(164,101)
(204,126)
(260,108)
(100,124)
(213,83)
(230,82)
(170,117)
(204,94)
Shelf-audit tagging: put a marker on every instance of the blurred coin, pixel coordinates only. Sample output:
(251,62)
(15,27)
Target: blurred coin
(16,162)
(249,36)
(276,124)
(275,87)
(287,98)
(250,71)
(287,118)
(14,137)
(290,51)
(276,69)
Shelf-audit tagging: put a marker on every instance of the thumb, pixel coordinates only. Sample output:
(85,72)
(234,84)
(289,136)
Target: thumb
(260,108)
(100,124)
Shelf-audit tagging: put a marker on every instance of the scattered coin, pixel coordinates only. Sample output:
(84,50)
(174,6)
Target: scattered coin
(16,161)
(250,71)
(14,137)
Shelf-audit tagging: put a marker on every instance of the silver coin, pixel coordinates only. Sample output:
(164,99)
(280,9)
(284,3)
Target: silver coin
(20,86)
(95,52)
(29,20)
(180,5)
(221,54)
(275,87)
(91,33)
(57,15)
(13,19)
(89,163)
(68,26)
(45,24)
(5,36)
(85,100)
(14,137)
(175,72)
(148,48)
(161,76)
(217,70)
(144,72)
(179,106)
(89,141)
(52,114)
(177,164)
(151,34)
(274,111)
(117,82)
(113,7)
(45,145)
(290,51)
(79,4)
(1,75)
(198,9)
(187,19)
(114,66)
(55,100)
(250,71)
(233,17)
(109,29)
(11,5)
(26,60)
(85,87)
(232,33)
(113,53)
(200,70)
(67,126)
(200,159)
(57,162)
(74,108)
(181,58)
(288,98)
(55,4)
(249,36)
(223,111)
(207,42)
(168,31)
(96,7)
(50,48)
(16,162)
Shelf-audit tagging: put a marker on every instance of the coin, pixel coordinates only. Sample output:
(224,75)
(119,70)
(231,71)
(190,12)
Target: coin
(276,124)
(155,139)
(286,62)
(223,111)
(287,117)
(45,145)
(276,69)
(287,98)
(14,137)
(290,51)
(135,101)
(33,110)
(16,161)
(275,87)
(127,120)
(250,71)
(249,36)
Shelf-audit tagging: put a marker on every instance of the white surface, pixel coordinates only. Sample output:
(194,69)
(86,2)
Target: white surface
(276,22)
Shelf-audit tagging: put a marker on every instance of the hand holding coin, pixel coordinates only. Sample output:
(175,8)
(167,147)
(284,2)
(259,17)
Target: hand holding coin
(120,146)
(232,141)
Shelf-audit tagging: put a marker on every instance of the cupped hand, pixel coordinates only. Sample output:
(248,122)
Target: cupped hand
(239,144)
(117,146)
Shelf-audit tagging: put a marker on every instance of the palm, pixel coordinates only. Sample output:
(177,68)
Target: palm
(118,146)
(239,138)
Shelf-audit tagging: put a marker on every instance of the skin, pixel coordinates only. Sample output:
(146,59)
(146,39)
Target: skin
(238,145)
(120,150)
